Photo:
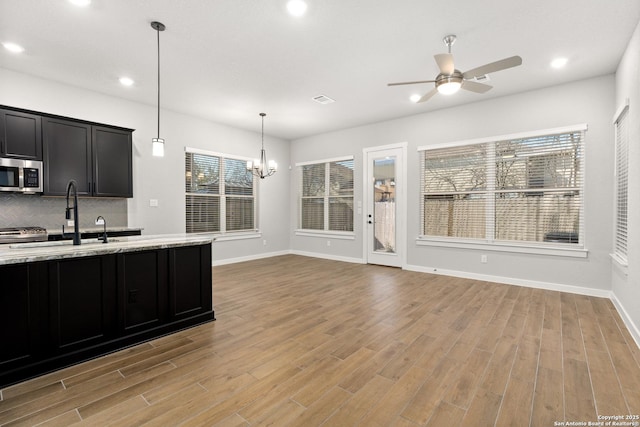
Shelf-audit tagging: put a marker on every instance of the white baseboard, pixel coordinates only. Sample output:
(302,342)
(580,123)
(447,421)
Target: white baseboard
(602,293)
(632,327)
(215,263)
(330,257)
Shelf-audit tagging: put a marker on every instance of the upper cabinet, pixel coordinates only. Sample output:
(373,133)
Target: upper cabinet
(112,162)
(20,135)
(67,156)
(98,158)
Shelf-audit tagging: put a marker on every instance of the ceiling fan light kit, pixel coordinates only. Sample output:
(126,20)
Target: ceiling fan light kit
(448,85)
(450,80)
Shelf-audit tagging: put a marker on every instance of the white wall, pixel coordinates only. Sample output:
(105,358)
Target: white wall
(626,288)
(163,178)
(589,101)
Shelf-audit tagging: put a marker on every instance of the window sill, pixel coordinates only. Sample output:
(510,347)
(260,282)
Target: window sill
(620,263)
(567,251)
(233,236)
(344,235)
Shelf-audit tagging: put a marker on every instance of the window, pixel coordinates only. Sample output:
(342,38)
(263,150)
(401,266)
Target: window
(220,194)
(520,188)
(622,166)
(326,195)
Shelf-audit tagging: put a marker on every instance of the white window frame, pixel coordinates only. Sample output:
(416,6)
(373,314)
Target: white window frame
(223,234)
(543,248)
(340,235)
(620,231)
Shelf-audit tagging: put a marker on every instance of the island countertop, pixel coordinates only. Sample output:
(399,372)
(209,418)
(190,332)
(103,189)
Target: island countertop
(46,251)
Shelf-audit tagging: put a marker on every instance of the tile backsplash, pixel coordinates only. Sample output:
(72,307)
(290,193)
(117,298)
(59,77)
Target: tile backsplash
(21,210)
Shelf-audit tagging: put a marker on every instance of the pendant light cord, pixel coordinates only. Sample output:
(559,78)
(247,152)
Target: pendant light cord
(158,33)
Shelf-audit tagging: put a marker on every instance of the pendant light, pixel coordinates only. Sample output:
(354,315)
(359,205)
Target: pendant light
(157,143)
(261,168)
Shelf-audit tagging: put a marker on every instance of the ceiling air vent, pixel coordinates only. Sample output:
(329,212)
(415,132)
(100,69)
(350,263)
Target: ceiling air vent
(323,99)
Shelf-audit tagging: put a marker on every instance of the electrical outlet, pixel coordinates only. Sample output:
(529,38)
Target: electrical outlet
(153,203)
(483,259)
(328,242)
(264,242)
(70,223)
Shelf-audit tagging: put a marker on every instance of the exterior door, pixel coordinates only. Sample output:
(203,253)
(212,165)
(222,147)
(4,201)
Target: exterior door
(385,205)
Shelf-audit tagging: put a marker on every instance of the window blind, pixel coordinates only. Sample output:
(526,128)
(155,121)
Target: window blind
(622,168)
(219,194)
(523,190)
(326,196)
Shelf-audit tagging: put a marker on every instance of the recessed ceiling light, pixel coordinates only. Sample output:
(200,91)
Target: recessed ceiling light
(12,47)
(296,7)
(559,62)
(126,81)
(81,3)
(415,97)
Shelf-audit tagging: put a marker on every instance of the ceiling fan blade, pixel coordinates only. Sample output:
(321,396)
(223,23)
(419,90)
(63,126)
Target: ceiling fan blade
(503,64)
(428,95)
(411,83)
(475,86)
(445,63)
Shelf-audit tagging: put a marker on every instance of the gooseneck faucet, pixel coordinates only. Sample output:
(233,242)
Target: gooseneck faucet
(76,226)
(101,220)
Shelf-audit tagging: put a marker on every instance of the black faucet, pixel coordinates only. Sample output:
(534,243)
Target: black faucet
(104,232)
(76,227)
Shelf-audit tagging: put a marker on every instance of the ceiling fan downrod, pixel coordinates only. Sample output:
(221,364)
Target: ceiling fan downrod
(449,41)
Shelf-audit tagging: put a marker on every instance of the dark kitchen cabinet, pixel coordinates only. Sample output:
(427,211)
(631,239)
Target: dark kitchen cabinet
(20,297)
(67,156)
(82,303)
(98,158)
(20,135)
(112,162)
(63,311)
(189,269)
(142,286)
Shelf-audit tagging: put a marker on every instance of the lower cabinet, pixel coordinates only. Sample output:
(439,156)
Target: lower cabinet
(59,312)
(82,302)
(20,315)
(142,286)
(188,268)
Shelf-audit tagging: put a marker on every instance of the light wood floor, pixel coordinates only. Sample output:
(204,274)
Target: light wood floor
(308,342)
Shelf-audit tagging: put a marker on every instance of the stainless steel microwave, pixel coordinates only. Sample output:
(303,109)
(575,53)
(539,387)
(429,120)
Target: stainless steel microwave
(20,176)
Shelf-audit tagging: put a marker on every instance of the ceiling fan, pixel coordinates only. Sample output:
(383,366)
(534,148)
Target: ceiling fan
(450,79)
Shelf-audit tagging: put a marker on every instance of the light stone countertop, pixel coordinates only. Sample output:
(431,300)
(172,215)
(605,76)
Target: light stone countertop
(45,251)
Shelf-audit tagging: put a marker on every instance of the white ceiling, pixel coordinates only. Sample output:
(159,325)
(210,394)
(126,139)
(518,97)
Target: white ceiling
(228,60)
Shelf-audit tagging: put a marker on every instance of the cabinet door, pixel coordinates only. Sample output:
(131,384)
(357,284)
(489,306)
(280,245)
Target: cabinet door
(112,160)
(20,135)
(19,315)
(82,302)
(67,156)
(189,281)
(142,290)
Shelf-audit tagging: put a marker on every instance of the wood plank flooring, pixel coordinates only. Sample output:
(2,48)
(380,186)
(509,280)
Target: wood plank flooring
(308,342)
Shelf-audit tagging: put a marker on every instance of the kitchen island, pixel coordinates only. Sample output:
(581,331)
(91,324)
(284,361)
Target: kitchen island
(62,303)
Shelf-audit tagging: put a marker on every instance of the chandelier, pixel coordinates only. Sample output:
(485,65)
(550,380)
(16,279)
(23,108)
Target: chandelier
(261,168)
